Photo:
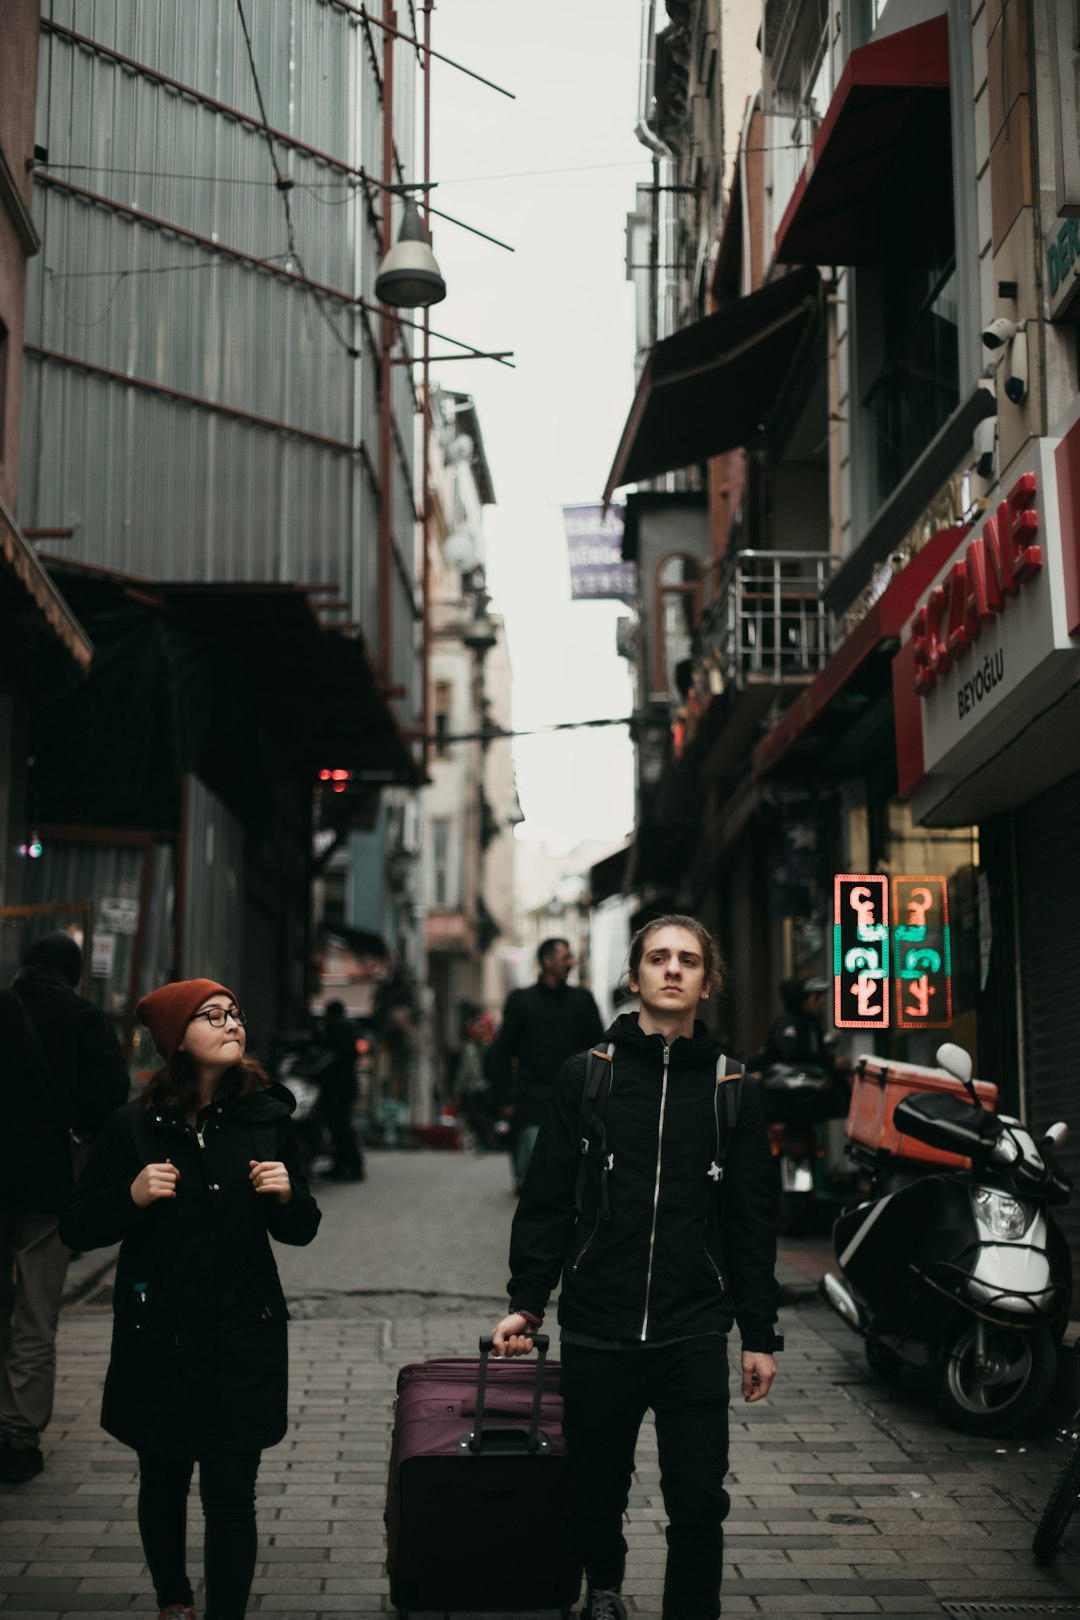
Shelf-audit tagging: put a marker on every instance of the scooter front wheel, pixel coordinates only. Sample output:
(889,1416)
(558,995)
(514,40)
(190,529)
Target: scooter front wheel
(1063,1503)
(1003,1395)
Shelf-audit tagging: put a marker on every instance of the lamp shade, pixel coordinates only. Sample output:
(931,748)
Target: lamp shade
(409,277)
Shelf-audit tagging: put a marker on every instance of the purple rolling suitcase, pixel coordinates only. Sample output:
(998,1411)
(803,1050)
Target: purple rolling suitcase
(476,1511)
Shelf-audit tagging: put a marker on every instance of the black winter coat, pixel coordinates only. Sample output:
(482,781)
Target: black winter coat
(677,1257)
(199,1363)
(87,1064)
(542,1027)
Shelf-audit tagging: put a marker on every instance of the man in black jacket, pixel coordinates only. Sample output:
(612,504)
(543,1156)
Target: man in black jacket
(541,1027)
(62,1070)
(671,1240)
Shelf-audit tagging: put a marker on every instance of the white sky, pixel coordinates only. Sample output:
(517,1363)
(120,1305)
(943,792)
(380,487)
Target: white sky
(562,302)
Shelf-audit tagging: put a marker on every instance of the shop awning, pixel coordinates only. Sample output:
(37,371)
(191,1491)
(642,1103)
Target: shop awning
(878,632)
(24,582)
(717,384)
(840,211)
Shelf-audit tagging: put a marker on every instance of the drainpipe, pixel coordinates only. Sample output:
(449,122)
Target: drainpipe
(647,81)
(425,499)
(386,515)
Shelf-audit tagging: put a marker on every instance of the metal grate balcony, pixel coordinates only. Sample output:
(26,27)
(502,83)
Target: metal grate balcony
(767,625)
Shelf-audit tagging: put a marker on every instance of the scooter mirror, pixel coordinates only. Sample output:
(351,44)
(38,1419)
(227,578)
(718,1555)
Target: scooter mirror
(1056,1134)
(955,1061)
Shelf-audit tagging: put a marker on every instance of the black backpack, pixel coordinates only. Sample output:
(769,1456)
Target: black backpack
(599,1072)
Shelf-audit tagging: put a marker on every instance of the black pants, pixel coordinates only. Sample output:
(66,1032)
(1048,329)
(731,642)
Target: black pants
(606,1395)
(227,1489)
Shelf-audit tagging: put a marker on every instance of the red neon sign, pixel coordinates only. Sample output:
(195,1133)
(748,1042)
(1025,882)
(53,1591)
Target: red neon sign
(974,591)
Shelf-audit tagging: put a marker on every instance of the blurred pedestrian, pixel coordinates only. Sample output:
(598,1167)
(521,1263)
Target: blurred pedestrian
(63,1075)
(471,1085)
(664,1235)
(192,1179)
(335,1075)
(542,1026)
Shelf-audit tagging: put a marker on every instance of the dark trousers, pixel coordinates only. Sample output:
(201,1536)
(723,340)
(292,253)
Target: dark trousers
(227,1489)
(336,1106)
(606,1394)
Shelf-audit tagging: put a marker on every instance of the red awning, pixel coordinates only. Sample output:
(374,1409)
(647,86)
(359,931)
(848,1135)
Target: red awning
(883,623)
(719,383)
(890,90)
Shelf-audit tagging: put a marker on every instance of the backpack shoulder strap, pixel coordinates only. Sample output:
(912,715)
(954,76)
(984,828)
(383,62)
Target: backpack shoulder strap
(599,1070)
(726,1071)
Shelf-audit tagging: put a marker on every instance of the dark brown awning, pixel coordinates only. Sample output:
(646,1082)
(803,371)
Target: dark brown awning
(24,579)
(718,384)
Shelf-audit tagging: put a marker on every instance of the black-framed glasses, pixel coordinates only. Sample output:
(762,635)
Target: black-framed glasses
(217,1017)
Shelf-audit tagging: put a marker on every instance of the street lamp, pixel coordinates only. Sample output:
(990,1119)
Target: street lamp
(409,276)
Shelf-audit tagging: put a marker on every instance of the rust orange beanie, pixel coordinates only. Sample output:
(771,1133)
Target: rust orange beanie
(168,1011)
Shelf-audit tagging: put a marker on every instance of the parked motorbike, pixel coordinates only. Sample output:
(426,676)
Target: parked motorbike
(1064,1498)
(961,1273)
(796,1099)
(293,1062)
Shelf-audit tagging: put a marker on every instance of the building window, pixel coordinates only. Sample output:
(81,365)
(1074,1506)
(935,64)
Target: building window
(678,614)
(440,847)
(443,694)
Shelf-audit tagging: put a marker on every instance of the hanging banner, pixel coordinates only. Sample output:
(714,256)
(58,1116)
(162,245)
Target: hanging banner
(597,569)
(922,953)
(861,951)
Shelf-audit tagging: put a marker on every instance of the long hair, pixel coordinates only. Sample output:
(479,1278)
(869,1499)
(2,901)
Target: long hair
(174,1087)
(710,954)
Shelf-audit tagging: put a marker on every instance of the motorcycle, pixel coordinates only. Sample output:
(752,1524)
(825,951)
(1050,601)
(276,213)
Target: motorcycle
(961,1273)
(796,1099)
(293,1062)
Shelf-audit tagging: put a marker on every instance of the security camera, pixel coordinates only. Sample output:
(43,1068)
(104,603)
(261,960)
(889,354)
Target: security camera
(1016,369)
(1000,331)
(985,438)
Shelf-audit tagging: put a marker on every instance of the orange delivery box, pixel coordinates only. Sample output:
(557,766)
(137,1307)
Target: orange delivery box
(881,1083)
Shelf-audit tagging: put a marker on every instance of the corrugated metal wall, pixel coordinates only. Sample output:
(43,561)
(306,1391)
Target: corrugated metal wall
(168,489)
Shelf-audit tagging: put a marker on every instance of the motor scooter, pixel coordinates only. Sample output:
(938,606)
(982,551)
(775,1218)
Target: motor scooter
(961,1273)
(796,1098)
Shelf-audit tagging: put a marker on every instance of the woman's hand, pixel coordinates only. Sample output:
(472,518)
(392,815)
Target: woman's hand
(511,1337)
(154,1181)
(271,1176)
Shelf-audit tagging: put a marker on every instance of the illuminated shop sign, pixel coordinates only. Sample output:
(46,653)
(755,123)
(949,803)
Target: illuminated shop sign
(861,951)
(891,964)
(922,953)
(975,590)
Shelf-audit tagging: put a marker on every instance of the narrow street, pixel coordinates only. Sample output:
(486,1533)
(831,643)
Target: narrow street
(849,1498)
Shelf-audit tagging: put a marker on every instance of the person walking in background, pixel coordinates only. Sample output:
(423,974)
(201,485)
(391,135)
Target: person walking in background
(192,1179)
(63,1074)
(335,1075)
(541,1027)
(664,1235)
(471,1085)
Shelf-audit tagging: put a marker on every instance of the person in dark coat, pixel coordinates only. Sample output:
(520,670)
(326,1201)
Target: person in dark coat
(665,1242)
(798,1035)
(62,1071)
(192,1179)
(335,1075)
(541,1027)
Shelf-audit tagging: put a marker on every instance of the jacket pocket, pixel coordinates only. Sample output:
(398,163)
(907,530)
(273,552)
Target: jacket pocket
(714,1269)
(585,1247)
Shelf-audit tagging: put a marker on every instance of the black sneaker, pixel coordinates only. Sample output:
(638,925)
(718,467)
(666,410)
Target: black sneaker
(603,1605)
(20,1460)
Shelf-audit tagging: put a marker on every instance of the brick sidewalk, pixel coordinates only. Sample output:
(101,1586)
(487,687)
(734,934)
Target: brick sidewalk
(849,1497)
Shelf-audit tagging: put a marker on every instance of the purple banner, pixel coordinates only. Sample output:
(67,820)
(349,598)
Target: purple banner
(597,569)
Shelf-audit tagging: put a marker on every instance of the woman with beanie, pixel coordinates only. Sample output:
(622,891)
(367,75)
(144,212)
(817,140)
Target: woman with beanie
(191,1178)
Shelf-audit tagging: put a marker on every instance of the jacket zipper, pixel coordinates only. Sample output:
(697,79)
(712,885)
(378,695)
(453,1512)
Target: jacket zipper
(656,1190)
(716,1268)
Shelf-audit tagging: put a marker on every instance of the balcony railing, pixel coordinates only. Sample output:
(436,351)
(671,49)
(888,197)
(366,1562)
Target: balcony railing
(767,624)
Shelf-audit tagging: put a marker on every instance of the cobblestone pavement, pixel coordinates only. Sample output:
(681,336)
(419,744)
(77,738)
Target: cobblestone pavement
(849,1498)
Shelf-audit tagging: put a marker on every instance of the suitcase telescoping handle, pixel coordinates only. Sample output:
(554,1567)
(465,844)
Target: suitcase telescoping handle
(541,1341)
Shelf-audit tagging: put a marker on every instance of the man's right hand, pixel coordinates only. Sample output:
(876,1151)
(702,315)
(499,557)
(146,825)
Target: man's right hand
(154,1181)
(511,1337)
